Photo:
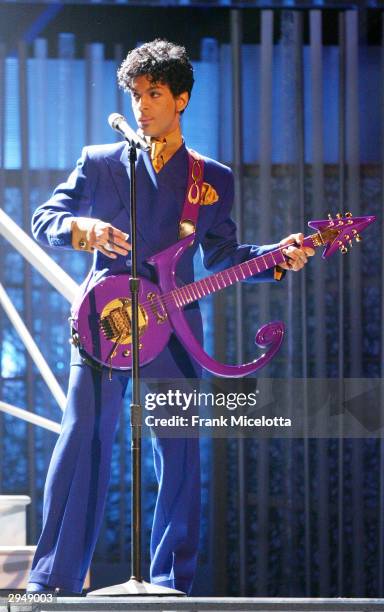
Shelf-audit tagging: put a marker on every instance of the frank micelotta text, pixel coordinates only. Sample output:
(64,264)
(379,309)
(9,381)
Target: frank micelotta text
(221,421)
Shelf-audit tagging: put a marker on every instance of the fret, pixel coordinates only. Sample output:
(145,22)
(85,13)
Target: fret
(217,281)
(236,277)
(193,291)
(187,291)
(211,282)
(229,277)
(182,298)
(206,290)
(265,264)
(241,270)
(271,254)
(248,266)
(176,298)
(197,290)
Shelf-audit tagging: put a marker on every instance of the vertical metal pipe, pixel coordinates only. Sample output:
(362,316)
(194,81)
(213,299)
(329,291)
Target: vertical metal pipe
(2,199)
(236,40)
(341,139)
(381,506)
(353,183)
(288,95)
(299,68)
(27,289)
(355,285)
(66,141)
(94,94)
(265,199)
(319,292)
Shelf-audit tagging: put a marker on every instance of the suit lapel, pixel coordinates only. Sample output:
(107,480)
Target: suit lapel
(120,173)
(158,212)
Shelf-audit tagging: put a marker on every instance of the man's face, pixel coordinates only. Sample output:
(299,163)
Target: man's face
(156,110)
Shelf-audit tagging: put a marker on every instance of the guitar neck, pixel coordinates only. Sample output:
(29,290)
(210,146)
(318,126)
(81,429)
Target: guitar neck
(220,280)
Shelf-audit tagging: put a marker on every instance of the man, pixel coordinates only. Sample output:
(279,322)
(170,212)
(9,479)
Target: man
(89,212)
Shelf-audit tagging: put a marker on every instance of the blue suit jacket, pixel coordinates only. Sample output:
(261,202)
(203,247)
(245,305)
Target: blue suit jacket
(99,188)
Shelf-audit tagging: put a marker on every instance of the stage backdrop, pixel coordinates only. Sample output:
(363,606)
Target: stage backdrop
(280,518)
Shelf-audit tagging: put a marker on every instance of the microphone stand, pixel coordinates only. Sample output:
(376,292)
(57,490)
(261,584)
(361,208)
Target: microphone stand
(135,585)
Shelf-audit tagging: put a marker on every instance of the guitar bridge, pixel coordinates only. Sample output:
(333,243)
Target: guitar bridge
(116,321)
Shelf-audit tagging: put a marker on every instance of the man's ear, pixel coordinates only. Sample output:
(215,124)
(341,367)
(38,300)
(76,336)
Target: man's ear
(182,101)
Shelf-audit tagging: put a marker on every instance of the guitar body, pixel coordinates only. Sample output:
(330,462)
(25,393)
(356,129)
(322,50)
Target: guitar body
(104,319)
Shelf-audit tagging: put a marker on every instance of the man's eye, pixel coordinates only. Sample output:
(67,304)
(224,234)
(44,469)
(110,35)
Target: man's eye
(155,94)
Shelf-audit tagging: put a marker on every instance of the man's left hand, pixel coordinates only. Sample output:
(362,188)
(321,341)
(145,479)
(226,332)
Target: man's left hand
(296,254)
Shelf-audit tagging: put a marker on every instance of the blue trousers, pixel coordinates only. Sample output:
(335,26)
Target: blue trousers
(77,483)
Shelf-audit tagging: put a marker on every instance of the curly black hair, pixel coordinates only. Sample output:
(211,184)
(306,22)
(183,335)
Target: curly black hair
(162,62)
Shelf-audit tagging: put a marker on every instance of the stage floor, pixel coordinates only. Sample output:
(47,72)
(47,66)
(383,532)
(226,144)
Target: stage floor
(197,604)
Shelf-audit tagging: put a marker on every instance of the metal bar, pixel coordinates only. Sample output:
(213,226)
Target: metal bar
(32,348)
(2,249)
(353,184)
(317,195)
(237,115)
(299,69)
(288,108)
(27,289)
(341,139)
(30,417)
(265,131)
(66,110)
(355,285)
(265,198)
(35,255)
(218,517)
(381,506)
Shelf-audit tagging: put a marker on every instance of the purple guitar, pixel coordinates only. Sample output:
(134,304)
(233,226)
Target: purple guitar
(103,319)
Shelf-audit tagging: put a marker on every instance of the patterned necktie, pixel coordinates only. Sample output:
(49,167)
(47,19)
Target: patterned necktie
(157,147)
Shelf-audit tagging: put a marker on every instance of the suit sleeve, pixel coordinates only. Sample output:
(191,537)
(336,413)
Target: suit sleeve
(52,221)
(220,246)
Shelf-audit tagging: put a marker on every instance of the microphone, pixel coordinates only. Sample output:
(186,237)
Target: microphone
(119,124)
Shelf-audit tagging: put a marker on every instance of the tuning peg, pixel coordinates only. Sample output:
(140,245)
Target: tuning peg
(339,216)
(343,250)
(348,215)
(331,222)
(358,238)
(350,243)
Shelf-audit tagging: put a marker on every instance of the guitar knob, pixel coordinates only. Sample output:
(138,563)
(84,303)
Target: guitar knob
(348,215)
(343,250)
(331,222)
(339,216)
(358,238)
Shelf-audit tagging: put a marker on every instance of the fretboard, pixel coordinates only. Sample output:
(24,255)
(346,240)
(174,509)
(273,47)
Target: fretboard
(220,280)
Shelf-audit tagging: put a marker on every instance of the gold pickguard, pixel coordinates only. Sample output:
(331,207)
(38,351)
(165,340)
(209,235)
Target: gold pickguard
(116,320)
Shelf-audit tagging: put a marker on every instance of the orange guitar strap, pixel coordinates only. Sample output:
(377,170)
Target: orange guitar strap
(191,207)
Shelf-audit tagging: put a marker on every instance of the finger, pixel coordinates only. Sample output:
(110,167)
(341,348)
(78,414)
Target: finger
(309,252)
(111,247)
(296,256)
(121,242)
(104,251)
(117,238)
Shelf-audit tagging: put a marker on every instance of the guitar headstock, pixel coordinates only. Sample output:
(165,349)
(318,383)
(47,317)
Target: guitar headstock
(340,232)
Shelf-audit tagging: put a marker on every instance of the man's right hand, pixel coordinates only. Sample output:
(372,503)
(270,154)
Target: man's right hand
(89,234)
